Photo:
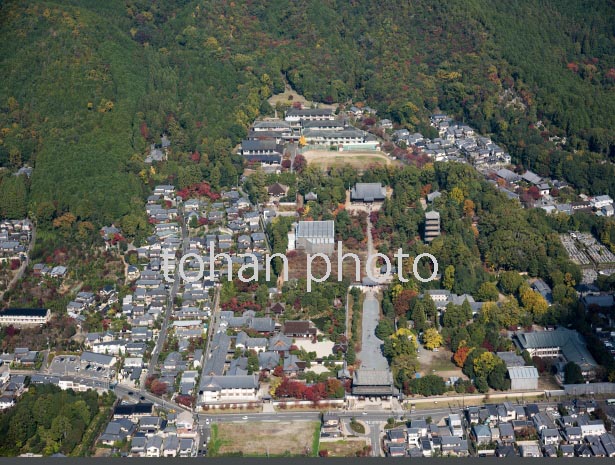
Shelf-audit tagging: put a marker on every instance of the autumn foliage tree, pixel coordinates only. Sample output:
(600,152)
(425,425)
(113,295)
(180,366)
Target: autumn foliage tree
(533,302)
(299,163)
(461,355)
(184,400)
(331,389)
(432,338)
(402,302)
(158,387)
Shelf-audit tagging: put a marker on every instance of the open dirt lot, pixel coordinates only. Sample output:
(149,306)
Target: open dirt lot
(284,99)
(359,160)
(262,438)
(438,363)
(348,448)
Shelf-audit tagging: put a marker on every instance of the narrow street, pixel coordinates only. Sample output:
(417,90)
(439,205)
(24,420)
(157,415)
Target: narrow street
(213,327)
(162,334)
(24,265)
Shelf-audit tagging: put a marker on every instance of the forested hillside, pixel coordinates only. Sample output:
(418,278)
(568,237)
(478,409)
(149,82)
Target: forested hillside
(88,86)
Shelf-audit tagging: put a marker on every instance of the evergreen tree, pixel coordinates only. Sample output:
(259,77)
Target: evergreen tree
(13,197)
(418,317)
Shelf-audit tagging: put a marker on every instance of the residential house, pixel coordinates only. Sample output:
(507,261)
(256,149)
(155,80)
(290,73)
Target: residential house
(506,412)
(186,447)
(185,424)
(507,433)
(151,425)
(481,434)
(396,436)
(138,445)
(170,446)
(413,436)
(117,431)
(472,415)
(573,434)
(550,436)
(455,446)
(505,450)
(331,425)
(153,447)
(593,428)
(566,450)
(6,402)
(454,424)
(601,201)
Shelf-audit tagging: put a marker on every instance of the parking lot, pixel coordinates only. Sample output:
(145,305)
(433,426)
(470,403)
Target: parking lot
(73,365)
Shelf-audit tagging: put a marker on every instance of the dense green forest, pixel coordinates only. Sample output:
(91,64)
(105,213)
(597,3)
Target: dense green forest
(47,420)
(88,86)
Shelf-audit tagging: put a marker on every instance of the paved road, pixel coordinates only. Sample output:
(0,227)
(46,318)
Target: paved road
(211,330)
(293,154)
(371,349)
(375,427)
(122,391)
(270,417)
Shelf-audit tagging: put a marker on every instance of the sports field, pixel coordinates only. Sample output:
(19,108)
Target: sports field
(360,159)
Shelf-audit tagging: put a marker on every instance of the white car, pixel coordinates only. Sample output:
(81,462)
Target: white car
(207,421)
(244,417)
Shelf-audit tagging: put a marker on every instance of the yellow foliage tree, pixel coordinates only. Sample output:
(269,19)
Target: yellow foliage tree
(395,291)
(533,302)
(468,207)
(485,363)
(432,338)
(274,382)
(457,194)
(65,221)
(489,312)
(403,332)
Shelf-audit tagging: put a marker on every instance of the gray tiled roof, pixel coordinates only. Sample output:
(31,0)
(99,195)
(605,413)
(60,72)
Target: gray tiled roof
(571,343)
(368,192)
(315,229)
(215,383)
